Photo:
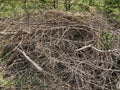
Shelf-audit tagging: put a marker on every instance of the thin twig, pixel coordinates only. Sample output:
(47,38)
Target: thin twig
(7,33)
(83,47)
(62,36)
(88,46)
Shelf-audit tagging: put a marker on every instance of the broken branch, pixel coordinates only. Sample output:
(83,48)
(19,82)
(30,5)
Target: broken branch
(30,60)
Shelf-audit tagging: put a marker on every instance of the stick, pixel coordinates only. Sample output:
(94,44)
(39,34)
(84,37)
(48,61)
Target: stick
(7,33)
(30,60)
(83,47)
(103,51)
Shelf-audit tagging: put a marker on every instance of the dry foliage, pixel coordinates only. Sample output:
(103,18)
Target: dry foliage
(50,39)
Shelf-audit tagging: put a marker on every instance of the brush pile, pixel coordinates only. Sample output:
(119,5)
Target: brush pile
(75,52)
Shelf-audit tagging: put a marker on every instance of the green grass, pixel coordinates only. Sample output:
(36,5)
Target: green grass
(28,80)
(13,8)
(106,40)
(18,8)
(10,8)
(5,82)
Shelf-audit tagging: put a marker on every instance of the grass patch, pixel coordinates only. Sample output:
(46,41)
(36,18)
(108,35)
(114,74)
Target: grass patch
(106,40)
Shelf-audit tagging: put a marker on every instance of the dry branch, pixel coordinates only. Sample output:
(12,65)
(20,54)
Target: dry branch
(30,60)
(83,47)
(7,33)
(88,46)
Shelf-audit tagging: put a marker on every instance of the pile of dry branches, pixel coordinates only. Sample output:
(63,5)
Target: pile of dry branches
(62,49)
